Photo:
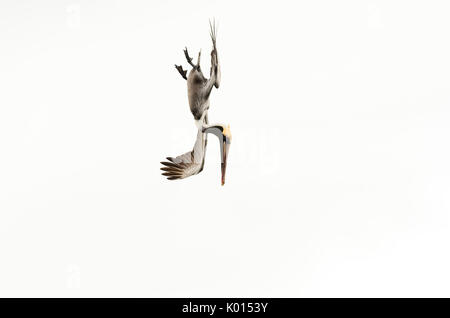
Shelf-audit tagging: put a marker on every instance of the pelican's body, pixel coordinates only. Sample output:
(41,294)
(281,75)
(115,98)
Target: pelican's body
(198,95)
(199,90)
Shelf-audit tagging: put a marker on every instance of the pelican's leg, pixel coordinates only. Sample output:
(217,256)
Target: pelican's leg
(182,72)
(188,58)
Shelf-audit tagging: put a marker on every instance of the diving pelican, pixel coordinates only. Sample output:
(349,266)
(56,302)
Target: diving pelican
(199,89)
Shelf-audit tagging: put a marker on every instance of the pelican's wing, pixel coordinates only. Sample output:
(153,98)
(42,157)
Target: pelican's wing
(187,164)
(173,170)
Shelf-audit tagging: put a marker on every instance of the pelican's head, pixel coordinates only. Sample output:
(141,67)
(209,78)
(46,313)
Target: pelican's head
(224,135)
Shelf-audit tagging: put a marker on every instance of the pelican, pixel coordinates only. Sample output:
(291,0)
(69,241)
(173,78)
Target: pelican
(199,90)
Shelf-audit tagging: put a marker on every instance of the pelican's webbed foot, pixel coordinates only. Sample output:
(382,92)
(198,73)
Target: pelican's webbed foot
(188,58)
(181,71)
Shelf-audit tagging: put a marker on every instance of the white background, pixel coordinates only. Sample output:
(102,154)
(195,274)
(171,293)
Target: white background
(338,174)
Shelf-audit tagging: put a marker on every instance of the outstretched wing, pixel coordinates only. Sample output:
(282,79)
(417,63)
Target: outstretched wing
(181,167)
(187,164)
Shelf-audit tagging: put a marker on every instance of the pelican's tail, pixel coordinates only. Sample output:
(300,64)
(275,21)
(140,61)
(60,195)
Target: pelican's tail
(213,31)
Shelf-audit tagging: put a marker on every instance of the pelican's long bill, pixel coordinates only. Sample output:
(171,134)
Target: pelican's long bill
(223,133)
(225,149)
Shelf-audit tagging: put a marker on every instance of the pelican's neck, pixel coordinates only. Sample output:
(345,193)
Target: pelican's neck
(200,123)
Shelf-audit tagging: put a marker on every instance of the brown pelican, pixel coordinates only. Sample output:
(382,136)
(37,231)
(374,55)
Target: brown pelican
(199,89)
